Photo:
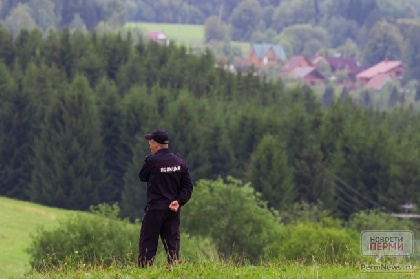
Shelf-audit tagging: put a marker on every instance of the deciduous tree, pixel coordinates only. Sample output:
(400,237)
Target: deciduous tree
(214,30)
(244,19)
(385,42)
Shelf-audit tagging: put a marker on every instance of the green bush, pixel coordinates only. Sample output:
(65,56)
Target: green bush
(98,239)
(309,242)
(233,215)
(101,239)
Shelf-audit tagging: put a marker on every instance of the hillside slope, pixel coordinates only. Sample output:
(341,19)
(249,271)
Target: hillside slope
(18,221)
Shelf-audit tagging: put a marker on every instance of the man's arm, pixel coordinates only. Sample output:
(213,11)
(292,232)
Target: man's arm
(145,170)
(186,188)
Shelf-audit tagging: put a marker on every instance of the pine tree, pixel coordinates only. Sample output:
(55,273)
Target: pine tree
(181,122)
(27,46)
(69,170)
(66,56)
(328,96)
(89,60)
(404,175)
(313,183)
(366,99)
(133,199)
(108,102)
(217,156)
(344,94)
(131,74)
(361,165)
(7,51)
(18,120)
(393,98)
(138,116)
(271,175)
(244,123)
(115,52)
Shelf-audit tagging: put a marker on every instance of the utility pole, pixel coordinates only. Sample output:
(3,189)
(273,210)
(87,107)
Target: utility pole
(407,211)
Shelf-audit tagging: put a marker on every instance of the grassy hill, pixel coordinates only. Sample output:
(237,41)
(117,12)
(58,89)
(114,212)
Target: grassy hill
(18,221)
(188,35)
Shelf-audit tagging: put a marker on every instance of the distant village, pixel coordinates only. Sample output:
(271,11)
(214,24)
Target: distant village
(342,71)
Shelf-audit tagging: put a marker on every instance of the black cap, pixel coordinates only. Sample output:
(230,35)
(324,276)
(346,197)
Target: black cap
(159,136)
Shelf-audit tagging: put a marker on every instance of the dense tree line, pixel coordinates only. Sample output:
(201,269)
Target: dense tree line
(273,13)
(74,108)
(369,30)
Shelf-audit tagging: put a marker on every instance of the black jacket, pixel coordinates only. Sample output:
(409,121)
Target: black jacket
(168,179)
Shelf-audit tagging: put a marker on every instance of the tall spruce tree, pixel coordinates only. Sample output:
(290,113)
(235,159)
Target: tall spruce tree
(270,173)
(181,122)
(215,150)
(361,165)
(66,53)
(313,183)
(108,102)
(89,60)
(7,49)
(18,119)
(42,83)
(244,123)
(138,116)
(69,155)
(133,200)
(404,174)
(27,46)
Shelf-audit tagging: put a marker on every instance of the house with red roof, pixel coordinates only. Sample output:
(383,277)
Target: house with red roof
(339,64)
(305,75)
(308,75)
(300,68)
(294,62)
(376,76)
(158,37)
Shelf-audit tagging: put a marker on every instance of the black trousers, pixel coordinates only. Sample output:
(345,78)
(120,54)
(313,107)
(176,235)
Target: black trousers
(163,223)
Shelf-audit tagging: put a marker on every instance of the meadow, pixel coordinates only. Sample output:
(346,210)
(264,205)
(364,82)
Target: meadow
(184,34)
(21,219)
(18,221)
(207,270)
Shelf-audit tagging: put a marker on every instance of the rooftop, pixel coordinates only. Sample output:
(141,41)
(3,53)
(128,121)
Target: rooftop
(380,68)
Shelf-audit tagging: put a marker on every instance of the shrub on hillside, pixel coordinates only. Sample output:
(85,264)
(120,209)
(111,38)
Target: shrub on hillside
(308,242)
(234,216)
(101,238)
(98,238)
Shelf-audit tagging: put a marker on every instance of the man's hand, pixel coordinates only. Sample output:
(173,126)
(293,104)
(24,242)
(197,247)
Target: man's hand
(174,206)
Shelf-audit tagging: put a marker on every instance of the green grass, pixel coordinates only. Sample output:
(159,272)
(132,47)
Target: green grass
(183,34)
(18,221)
(220,270)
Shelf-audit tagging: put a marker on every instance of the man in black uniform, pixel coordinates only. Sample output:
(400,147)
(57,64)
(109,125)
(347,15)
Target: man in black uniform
(169,186)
